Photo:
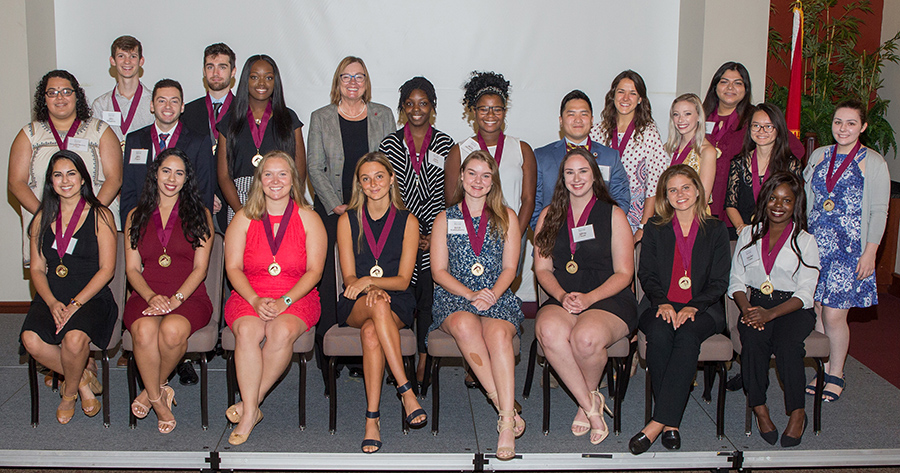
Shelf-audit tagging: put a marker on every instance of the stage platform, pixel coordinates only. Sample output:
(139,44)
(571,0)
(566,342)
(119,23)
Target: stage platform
(859,430)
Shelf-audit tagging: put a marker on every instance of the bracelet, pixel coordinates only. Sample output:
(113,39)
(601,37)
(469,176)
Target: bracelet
(179,296)
(75,303)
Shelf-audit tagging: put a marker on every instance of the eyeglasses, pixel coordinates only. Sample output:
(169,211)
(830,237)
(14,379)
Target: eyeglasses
(484,110)
(358,78)
(767,127)
(52,93)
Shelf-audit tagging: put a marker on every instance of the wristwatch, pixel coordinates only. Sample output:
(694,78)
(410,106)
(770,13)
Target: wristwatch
(179,296)
(287,300)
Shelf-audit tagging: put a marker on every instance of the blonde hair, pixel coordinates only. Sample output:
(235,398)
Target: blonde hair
(499,218)
(336,80)
(358,197)
(671,146)
(664,209)
(255,206)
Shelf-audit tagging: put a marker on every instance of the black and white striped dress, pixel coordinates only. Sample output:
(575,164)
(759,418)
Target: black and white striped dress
(423,193)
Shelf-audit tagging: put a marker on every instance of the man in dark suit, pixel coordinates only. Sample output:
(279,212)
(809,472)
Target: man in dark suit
(575,120)
(167,131)
(202,114)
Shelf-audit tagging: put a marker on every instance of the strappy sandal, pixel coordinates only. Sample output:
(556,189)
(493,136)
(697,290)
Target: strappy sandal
(520,426)
(64,416)
(165,426)
(89,378)
(595,412)
(831,396)
(139,409)
(578,423)
(372,442)
(506,453)
(416,413)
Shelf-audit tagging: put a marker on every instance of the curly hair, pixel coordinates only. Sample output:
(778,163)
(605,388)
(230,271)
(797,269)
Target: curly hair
(42,113)
(416,83)
(484,83)
(559,205)
(643,115)
(194,223)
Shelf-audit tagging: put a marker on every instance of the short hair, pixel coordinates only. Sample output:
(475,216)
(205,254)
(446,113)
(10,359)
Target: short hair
(855,105)
(575,95)
(217,49)
(336,80)
(42,113)
(416,83)
(167,83)
(126,43)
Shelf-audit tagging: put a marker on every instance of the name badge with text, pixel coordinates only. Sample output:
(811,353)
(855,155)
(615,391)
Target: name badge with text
(138,156)
(435,159)
(113,118)
(583,233)
(77,144)
(710,126)
(749,255)
(70,248)
(456,226)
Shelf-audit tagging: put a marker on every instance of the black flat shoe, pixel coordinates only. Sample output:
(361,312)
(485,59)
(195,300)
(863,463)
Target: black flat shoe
(736,383)
(787,441)
(671,439)
(186,374)
(639,444)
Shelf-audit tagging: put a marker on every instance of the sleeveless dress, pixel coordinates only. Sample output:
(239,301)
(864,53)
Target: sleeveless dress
(291,257)
(96,317)
(595,266)
(838,237)
(403,303)
(165,281)
(462,257)
(510,167)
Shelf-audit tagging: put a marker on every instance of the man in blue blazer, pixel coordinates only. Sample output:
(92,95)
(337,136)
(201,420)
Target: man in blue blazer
(141,148)
(575,120)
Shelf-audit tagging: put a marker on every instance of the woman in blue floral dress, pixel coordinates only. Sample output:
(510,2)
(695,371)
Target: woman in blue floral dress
(474,255)
(847,188)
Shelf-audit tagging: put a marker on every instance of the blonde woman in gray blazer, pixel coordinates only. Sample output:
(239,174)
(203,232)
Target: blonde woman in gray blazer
(339,134)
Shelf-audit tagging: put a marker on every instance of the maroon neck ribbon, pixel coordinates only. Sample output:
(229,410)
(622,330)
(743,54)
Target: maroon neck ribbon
(135,101)
(64,143)
(685,243)
(259,131)
(213,121)
(833,176)
(769,254)
(417,158)
(730,120)
(275,240)
(678,158)
(382,238)
(570,220)
(497,154)
(754,168)
(62,240)
(165,233)
(627,136)
(170,143)
(476,238)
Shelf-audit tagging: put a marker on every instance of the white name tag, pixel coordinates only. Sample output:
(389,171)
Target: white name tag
(113,118)
(456,226)
(468,147)
(138,156)
(749,256)
(70,248)
(77,144)
(710,126)
(583,233)
(604,171)
(435,160)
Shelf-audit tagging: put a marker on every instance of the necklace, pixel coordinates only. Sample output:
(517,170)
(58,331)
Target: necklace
(351,117)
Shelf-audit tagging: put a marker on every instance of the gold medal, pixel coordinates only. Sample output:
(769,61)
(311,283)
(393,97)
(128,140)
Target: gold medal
(165,260)
(62,271)
(477,269)
(828,205)
(376,271)
(767,287)
(274,268)
(256,160)
(572,267)
(684,282)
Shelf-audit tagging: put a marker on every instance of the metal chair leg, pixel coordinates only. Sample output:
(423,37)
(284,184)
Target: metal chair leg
(720,402)
(817,402)
(230,378)
(435,395)
(545,375)
(748,418)
(130,372)
(301,396)
(204,392)
(648,398)
(33,387)
(105,364)
(332,395)
(405,425)
(529,376)
(426,381)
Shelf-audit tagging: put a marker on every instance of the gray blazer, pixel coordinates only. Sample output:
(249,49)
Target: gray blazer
(325,149)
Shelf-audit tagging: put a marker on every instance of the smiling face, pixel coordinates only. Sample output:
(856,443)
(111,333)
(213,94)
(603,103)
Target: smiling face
(681,193)
(375,181)
(167,106)
(60,107)
(576,120)
(355,87)
(170,176)
(276,178)
(218,72)
(490,112)
(578,176)
(477,178)
(846,126)
(66,180)
(626,98)
(127,63)
(261,83)
(762,130)
(731,89)
(780,206)
(685,117)
(418,108)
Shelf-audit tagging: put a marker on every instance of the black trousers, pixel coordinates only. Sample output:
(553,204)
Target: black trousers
(672,360)
(327,286)
(424,292)
(782,337)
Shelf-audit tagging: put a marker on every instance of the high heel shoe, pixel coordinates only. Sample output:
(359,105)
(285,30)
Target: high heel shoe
(372,442)
(787,441)
(520,426)
(577,423)
(89,378)
(414,414)
(595,412)
(138,409)
(237,439)
(771,437)
(64,416)
(505,453)
(166,396)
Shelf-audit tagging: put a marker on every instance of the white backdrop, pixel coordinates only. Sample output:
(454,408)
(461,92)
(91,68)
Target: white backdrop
(545,49)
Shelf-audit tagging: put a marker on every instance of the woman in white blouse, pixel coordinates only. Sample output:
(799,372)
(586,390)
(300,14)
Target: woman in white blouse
(773,278)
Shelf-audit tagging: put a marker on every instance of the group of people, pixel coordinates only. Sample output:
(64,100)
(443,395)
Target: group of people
(429,233)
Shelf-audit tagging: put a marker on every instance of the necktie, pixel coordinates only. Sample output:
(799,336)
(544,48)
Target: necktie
(216,107)
(162,141)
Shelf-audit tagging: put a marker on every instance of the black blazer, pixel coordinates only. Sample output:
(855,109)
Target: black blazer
(710,266)
(197,147)
(196,117)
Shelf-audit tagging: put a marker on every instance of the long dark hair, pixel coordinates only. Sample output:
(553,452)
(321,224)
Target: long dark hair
(42,113)
(280,122)
(711,102)
(643,115)
(559,204)
(49,208)
(761,217)
(190,209)
(782,157)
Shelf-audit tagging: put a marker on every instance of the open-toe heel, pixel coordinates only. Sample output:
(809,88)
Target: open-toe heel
(63,416)
(90,379)
(505,452)
(577,423)
(416,413)
(372,442)
(520,422)
(164,426)
(139,409)
(596,412)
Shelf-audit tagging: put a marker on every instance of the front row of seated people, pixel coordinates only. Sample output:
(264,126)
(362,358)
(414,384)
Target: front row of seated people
(275,251)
